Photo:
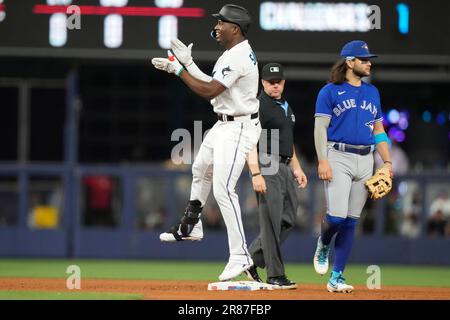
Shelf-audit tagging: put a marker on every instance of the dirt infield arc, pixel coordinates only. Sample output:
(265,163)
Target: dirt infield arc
(197,290)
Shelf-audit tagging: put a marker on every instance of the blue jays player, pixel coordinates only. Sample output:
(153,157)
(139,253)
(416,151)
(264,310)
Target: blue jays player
(348,128)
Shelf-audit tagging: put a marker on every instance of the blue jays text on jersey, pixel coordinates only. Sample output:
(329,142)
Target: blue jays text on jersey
(353,112)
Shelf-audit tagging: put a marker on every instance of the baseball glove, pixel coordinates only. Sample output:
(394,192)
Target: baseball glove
(379,184)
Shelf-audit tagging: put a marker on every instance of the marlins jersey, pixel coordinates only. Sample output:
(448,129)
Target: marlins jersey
(353,112)
(237,70)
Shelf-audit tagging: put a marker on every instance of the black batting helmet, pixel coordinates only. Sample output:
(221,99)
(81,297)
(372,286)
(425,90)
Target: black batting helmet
(235,14)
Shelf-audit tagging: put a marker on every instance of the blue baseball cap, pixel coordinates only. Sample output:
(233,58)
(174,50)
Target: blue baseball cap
(358,49)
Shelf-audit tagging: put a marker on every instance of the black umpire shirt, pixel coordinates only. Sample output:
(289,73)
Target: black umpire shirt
(273,116)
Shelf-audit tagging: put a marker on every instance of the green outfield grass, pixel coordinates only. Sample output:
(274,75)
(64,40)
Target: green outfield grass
(42,295)
(187,270)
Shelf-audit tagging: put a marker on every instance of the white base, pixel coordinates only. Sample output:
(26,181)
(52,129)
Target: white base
(239,285)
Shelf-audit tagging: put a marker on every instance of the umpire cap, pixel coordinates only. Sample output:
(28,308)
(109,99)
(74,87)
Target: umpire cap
(272,71)
(235,14)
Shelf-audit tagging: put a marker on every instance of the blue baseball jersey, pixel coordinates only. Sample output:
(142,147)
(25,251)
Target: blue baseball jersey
(353,112)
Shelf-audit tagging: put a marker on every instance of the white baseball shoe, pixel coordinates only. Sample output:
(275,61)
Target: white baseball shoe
(321,257)
(337,283)
(232,270)
(175,233)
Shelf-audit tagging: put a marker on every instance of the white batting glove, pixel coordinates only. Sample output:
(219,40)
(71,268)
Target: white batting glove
(183,53)
(169,65)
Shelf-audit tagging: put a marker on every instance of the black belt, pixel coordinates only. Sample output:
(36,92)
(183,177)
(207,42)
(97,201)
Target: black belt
(224,117)
(285,159)
(349,148)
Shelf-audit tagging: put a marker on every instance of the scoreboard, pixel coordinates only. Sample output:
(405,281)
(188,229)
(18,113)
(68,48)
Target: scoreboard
(280,29)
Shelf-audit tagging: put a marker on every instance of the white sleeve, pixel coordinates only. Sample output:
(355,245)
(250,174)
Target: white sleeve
(228,72)
(195,71)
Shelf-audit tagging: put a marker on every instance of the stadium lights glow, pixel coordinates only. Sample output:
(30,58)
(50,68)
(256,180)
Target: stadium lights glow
(403,123)
(396,134)
(440,118)
(403,18)
(403,188)
(426,116)
(393,116)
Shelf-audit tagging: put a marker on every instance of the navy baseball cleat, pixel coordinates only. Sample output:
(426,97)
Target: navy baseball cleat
(281,282)
(252,274)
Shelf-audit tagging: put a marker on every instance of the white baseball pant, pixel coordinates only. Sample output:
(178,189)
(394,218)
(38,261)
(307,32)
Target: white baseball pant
(220,161)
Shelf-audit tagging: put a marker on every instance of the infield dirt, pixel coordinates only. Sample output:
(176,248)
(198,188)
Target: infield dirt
(198,290)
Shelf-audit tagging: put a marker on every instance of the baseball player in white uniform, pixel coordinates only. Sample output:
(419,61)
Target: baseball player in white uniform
(232,90)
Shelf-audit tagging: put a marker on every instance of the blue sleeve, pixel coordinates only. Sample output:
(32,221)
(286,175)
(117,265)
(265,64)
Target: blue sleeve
(324,103)
(379,115)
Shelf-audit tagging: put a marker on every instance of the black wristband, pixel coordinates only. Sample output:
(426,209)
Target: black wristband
(387,161)
(256,174)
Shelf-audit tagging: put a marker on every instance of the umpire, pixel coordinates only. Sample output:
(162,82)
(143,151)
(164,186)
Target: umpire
(276,192)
